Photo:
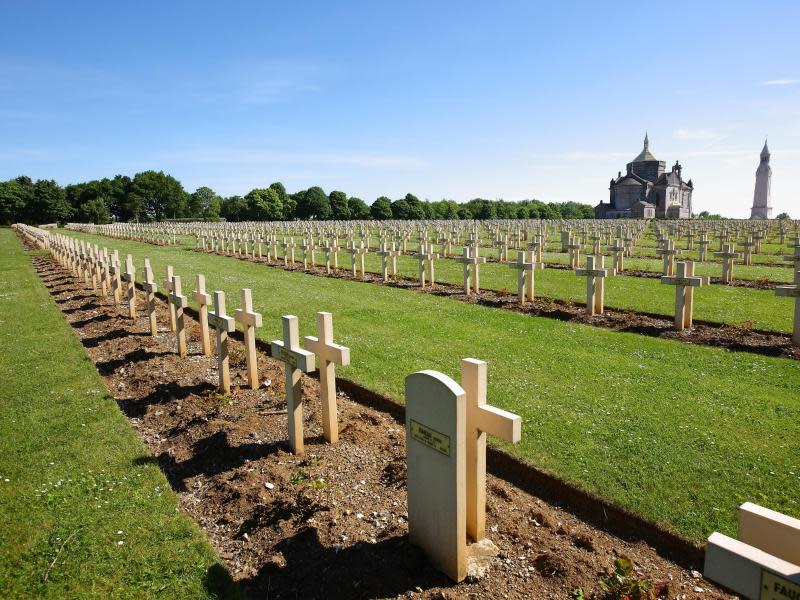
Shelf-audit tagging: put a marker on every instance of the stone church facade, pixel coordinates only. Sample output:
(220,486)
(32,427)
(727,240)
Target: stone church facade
(647,191)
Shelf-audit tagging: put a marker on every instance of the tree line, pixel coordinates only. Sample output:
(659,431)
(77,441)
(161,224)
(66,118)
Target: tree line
(157,196)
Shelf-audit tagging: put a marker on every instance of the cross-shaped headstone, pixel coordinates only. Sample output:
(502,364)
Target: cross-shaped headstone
(297,361)
(618,256)
(357,253)
(794,258)
(793,291)
(595,283)
(524,268)
(747,254)
(203,300)
(178,301)
(130,278)
(329,355)
(150,289)
(668,252)
(574,247)
(728,256)
(388,257)
(168,289)
(425,256)
(249,320)
(684,282)
(223,324)
(703,243)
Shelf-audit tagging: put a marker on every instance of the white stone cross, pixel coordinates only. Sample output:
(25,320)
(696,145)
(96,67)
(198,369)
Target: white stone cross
(481,419)
(150,289)
(357,254)
(130,278)
(297,361)
(574,247)
(203,300)
(618,260)
(223,324)
(685,282)
(168,288)
(668,252)
(524,268)
(329,355)
(249,320)
(178,302)
(794,258)
(595,283)
(729,256)
(388,257)
(793,291)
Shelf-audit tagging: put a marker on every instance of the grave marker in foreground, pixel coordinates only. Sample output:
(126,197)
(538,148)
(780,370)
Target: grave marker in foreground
(446,428)
(330,355)
(249,320)
(223,325)
(764,563)
(684,282)
(178,301)
(298,361)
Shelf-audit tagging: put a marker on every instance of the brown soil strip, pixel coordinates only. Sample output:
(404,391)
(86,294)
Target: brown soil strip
(735,338)
(332,524)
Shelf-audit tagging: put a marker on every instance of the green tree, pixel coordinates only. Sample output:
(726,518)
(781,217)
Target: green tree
(13,198)
(313,204)
(339,207)
(94,211)
(204,203)
(783,216)
(234,208)
(358,208)
(158,196)
(381,209)
(264,205)
(47,203)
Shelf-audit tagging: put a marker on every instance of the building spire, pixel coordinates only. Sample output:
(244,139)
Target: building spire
(765,150)
(646,141)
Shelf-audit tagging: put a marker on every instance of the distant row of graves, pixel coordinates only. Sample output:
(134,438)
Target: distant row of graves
(323,242)
(446,421)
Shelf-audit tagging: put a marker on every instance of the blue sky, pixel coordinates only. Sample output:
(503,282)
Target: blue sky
(441,99)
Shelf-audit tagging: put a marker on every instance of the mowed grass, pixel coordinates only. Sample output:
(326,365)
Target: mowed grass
(748,307)
(681,434)
(73,473)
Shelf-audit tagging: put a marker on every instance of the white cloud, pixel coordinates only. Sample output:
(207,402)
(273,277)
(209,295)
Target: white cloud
(780,82)
(694,134)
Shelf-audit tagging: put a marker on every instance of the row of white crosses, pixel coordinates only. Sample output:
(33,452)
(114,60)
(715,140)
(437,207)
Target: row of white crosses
(298,360)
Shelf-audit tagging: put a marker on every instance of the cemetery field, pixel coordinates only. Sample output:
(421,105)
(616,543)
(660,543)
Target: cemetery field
(760,309)
(678,433)
(82,510)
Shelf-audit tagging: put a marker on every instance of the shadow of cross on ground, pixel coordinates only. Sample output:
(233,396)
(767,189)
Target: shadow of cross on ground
(309,569)
(211,456)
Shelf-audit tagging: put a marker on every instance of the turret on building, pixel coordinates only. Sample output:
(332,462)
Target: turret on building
(647,191)
(762,196)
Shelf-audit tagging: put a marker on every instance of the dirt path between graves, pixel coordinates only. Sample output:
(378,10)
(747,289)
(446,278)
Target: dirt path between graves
(737,338)
(332,524)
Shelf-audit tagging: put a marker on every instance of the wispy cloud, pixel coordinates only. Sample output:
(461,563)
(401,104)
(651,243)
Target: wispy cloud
(244,156)
(261,83)
(694,134)
(780,82)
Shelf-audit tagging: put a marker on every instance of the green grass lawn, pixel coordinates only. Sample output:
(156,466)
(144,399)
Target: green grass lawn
(679,433)
(72,469)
